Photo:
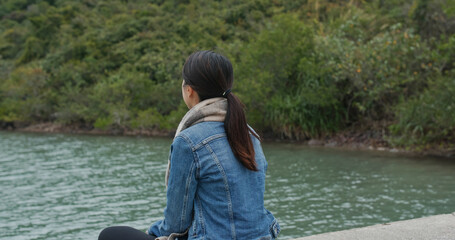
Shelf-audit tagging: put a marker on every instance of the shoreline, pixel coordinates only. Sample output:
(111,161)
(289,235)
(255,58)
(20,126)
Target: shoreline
(352,140)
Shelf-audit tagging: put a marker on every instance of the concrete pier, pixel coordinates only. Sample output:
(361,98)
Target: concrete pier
(439,227)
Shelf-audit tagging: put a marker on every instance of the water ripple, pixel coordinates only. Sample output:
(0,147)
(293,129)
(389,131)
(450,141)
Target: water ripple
(70,187)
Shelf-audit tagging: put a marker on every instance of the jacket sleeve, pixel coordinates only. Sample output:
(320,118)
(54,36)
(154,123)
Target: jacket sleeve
(181,191)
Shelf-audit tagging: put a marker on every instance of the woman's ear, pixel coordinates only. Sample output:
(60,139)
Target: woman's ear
(190,96)
(189,90)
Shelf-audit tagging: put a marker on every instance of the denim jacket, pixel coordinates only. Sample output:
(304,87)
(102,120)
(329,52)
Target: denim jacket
(210,193)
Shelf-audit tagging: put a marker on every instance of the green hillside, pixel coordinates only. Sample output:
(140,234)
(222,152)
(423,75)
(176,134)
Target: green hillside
(304,69)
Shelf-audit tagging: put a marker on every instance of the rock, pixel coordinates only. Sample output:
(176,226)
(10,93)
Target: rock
(315,142)
(331,144)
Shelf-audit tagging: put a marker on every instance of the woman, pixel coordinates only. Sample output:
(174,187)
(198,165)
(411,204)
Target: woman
(216,172)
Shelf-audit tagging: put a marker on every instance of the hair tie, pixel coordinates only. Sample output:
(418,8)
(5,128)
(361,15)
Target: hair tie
(226,92)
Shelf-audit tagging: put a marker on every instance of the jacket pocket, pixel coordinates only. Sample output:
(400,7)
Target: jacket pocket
(275,229)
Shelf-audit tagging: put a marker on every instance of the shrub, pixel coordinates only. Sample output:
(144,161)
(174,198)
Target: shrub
(25,96)
(427,118)
(284,67)
(376,72)
(34,48)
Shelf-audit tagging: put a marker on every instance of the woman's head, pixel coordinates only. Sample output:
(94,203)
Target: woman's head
(207,74)
(210,74)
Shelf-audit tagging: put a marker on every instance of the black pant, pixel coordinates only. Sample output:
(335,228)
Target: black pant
(124,233)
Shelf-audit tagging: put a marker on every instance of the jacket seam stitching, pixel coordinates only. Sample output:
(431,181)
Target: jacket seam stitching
(188,180)
(226,187)
(185,201)
(187,140)
(201,216)
(207,140)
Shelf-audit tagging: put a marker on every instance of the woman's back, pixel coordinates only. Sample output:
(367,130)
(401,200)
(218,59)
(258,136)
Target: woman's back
(228,202)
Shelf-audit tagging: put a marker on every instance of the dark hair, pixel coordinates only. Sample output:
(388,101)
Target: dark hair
(210,74)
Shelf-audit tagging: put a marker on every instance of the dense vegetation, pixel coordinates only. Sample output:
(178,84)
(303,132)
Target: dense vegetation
(304,69)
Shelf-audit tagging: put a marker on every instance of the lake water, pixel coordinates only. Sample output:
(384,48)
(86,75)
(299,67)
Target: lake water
(56,186)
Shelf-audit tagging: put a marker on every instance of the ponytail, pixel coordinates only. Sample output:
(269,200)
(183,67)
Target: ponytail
(211,75)
(238,132)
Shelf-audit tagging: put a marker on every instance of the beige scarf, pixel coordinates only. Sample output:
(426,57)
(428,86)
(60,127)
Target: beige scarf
(209,110)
